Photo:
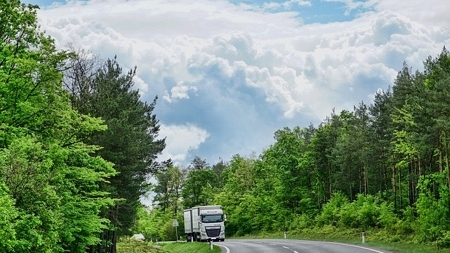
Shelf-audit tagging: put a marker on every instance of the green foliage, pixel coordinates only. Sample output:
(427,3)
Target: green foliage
(198,188)
(8,216)
(330,211)
(49,178)
(168,189)
(302,221)
(387,218)
(194,247)
(157,225)
(64,213)
(433,221)
(349,216)
(135,246)
(130,141)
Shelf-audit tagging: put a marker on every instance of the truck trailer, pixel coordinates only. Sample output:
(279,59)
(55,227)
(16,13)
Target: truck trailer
(204,223)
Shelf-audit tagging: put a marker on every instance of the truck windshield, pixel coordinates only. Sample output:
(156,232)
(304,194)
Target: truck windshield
(210,218)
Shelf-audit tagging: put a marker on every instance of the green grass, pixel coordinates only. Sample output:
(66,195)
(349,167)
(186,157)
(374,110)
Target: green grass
(374,239)
(191,247)
(133,246)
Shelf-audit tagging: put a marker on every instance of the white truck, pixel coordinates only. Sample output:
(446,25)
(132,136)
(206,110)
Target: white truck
(204,223)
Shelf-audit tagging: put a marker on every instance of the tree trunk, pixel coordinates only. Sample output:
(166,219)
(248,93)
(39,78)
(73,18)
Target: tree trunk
(400,188)
(410,183)
(366,181)
(447,163)
(330,188)
(394,192)
(440,155)
(360,176)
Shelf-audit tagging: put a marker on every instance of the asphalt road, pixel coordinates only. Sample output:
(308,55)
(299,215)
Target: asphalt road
(290,246)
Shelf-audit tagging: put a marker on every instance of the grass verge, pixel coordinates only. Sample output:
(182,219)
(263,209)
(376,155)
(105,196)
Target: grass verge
(192,247)
(134,246)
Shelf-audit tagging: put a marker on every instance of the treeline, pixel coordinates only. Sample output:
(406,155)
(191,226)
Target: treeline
(76,143)
(383,166)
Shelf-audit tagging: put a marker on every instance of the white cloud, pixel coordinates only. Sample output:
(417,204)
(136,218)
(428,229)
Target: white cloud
(180,139)
(180,91)
(271,64)
(430,13)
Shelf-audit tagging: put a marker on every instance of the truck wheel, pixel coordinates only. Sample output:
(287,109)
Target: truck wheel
(222,240)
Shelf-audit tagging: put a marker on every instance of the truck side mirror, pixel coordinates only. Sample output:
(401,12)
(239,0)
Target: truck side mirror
(224,217)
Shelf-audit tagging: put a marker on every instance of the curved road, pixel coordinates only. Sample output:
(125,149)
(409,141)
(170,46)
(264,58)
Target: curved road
(290,246)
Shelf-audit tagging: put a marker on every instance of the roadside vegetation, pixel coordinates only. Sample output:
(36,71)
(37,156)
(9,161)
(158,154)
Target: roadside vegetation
(77,144)
(134,246)
(192,247)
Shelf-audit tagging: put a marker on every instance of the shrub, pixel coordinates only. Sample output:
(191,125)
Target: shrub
(387,218)
(330,211)
(349,216)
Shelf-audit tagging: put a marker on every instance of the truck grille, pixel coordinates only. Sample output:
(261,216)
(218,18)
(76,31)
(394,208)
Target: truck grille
(214,232)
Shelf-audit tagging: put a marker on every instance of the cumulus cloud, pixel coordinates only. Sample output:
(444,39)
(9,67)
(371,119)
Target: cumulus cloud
(180,91)
(180,139)
(236,70)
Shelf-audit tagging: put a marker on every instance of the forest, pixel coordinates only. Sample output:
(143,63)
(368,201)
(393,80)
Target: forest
(78,148)
(77,144)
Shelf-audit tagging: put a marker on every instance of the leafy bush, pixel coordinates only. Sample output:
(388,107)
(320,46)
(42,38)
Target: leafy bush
(387,218)
(349,216)
(368,211)
(330,211)
(301,221)
(444,240)
(7,215)
(432,208)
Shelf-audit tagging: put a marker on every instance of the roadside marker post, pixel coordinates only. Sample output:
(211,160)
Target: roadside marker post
(175,224)
(363,237)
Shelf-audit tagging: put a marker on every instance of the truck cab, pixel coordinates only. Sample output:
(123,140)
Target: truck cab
(204,223)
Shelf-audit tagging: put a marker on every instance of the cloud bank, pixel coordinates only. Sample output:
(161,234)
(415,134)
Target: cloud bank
(229,75)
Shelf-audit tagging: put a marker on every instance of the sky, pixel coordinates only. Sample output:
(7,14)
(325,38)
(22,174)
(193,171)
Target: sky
(229,73)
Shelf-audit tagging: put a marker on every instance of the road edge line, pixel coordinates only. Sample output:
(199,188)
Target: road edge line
(356,246)
(225,247)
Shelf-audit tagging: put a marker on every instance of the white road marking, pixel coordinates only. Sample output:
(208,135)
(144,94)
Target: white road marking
(226,248)
(295,251)
(286,247)
(360,247)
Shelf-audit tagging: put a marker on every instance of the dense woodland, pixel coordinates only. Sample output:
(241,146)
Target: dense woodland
(78,146)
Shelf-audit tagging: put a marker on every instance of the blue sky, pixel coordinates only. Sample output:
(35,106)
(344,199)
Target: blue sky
(230,73)
(317,11)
